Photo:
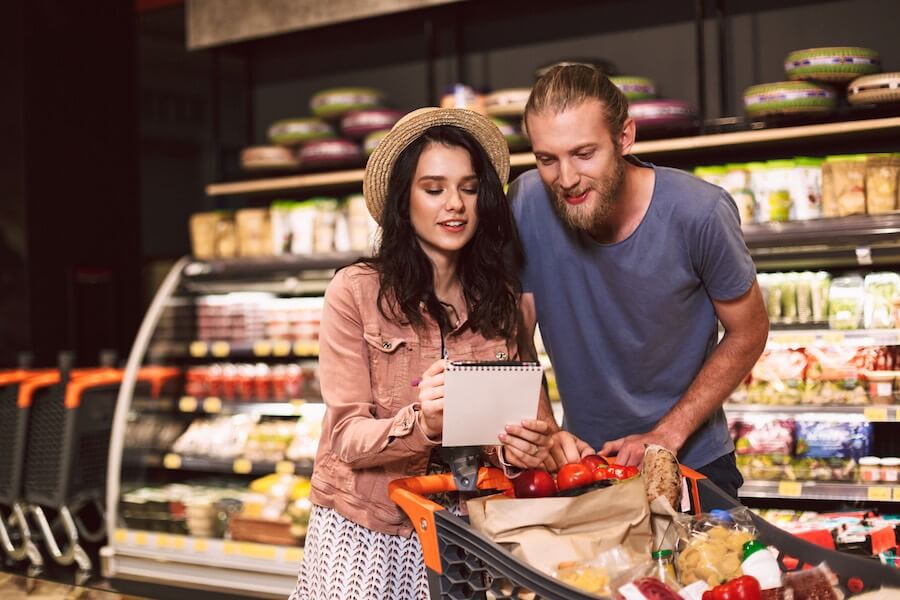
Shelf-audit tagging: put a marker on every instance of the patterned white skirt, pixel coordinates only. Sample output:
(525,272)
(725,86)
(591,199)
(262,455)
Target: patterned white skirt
(343,560)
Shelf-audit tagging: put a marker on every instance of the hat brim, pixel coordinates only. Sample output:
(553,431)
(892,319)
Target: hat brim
(411,127)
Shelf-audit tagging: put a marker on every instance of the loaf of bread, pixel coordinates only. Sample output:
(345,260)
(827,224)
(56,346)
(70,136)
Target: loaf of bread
(662,475)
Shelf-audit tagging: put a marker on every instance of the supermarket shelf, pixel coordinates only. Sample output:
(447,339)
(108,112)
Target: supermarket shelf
(875,414)
(858,240)
(244,568)
(814,490)
(797,338)
(202,464)
(288,265)
(239,350)
(212,405)
(526,159)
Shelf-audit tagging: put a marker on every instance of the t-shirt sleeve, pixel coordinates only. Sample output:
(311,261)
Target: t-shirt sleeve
(518,198)
(720,253)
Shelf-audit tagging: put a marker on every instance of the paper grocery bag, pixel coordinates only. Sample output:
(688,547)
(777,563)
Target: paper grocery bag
(544,532)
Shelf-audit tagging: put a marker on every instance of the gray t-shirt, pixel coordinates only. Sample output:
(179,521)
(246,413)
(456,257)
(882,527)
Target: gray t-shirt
(629,325)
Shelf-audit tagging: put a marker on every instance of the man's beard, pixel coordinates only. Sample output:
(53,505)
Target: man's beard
(591,215)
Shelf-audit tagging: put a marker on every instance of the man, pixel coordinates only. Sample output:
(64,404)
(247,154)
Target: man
(629,269)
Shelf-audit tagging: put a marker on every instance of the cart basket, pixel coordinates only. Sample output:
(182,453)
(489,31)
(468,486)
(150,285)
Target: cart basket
(463,564)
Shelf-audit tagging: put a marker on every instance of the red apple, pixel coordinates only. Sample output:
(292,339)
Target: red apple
(574,475)
(534,483)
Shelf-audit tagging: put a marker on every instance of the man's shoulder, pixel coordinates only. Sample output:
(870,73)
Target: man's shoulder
(528,197)
(689,197)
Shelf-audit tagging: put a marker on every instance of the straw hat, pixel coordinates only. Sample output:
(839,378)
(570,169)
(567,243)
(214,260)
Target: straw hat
(413,125)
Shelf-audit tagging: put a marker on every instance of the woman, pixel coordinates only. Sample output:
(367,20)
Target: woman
(440,284)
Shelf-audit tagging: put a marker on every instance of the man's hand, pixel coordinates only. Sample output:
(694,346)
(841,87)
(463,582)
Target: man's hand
(629,450)
(527,445)
(566,449)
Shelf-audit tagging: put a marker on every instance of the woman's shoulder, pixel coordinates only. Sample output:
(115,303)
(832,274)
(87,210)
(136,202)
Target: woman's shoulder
(358,277)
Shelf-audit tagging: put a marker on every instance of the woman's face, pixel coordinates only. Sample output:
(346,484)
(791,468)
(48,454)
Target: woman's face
(442,201)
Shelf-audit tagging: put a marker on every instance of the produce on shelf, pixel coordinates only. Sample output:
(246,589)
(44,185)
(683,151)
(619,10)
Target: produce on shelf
(264,158)
(789,98)
(507,103)
(882,296)
(252,316)
(883,88)
(330,154)
(335,103)
(635,88)
(359,124)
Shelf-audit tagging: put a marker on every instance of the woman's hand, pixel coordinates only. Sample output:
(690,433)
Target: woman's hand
(431,399)
(527,445)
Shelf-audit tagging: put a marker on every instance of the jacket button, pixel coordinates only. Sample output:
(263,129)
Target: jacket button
(501,356)
(386,345)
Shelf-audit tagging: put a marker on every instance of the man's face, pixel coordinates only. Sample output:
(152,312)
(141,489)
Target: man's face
(579,161)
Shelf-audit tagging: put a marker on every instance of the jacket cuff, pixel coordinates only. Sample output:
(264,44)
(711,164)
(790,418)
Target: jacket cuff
(407,429)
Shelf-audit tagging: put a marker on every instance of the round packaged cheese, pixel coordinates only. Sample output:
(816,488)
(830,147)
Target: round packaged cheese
(836,64)
(883,88)
(635,88)
(290,132)
(337,153)
(373,139)
(507,103)
(662,114)
(335,103)
(789,97)
(255,158)
(512,132)
(360,123)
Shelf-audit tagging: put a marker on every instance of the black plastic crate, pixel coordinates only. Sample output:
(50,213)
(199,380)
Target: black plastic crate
(13,428)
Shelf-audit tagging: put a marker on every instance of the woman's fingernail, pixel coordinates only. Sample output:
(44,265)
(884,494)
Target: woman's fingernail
(502,437)
(415,382)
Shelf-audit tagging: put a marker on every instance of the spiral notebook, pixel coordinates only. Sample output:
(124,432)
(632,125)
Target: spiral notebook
(482,397)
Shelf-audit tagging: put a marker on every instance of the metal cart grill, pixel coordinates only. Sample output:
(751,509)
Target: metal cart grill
(462,564)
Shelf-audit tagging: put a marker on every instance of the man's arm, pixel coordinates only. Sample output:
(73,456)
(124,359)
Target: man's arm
(746,324)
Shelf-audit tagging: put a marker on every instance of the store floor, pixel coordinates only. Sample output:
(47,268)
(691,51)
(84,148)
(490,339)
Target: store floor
(16,587)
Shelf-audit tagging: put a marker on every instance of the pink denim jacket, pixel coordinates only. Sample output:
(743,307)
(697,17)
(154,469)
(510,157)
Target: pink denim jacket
(368,367)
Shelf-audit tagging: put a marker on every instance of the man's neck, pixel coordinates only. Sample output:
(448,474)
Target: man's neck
(631,206)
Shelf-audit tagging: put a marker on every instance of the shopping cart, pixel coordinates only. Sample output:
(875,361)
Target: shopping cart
(15,534)
(67,455)
(463,564)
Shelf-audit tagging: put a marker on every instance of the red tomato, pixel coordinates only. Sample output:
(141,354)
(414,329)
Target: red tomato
(594,462)
(534,483)
(618,472)
(631,472)
(653,589)
(573,475)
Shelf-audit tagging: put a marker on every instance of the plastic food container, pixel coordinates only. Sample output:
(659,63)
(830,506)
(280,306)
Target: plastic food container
(665,115)
(881,290)
(776,203)
(848,183)
(870,469)
(890,469)
(881,386)
(258,158)
(358,124)
(507,103)
(882,171)
(805,183)
(835,63)
(846,300)
(737,183)
(330,154)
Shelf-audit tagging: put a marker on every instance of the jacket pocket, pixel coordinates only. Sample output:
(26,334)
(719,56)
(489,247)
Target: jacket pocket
(388,367)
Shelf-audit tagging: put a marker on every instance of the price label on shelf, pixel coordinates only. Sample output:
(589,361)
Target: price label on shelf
(833,337)
(120,536)
(293,555)
(281,348)
(163,541)
(284,467)
(256,551)
(230,548)
(242,466)
(879,493)
(220,349)
(172,461)
(200,546)
(140,538)
(793,340)
(199,349)
(262,348)
(791,489)
(212,405)
(298,402)
(876,414)
(187,404)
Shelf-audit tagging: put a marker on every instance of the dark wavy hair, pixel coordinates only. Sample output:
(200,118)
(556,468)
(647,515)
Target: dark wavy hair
(488,264)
